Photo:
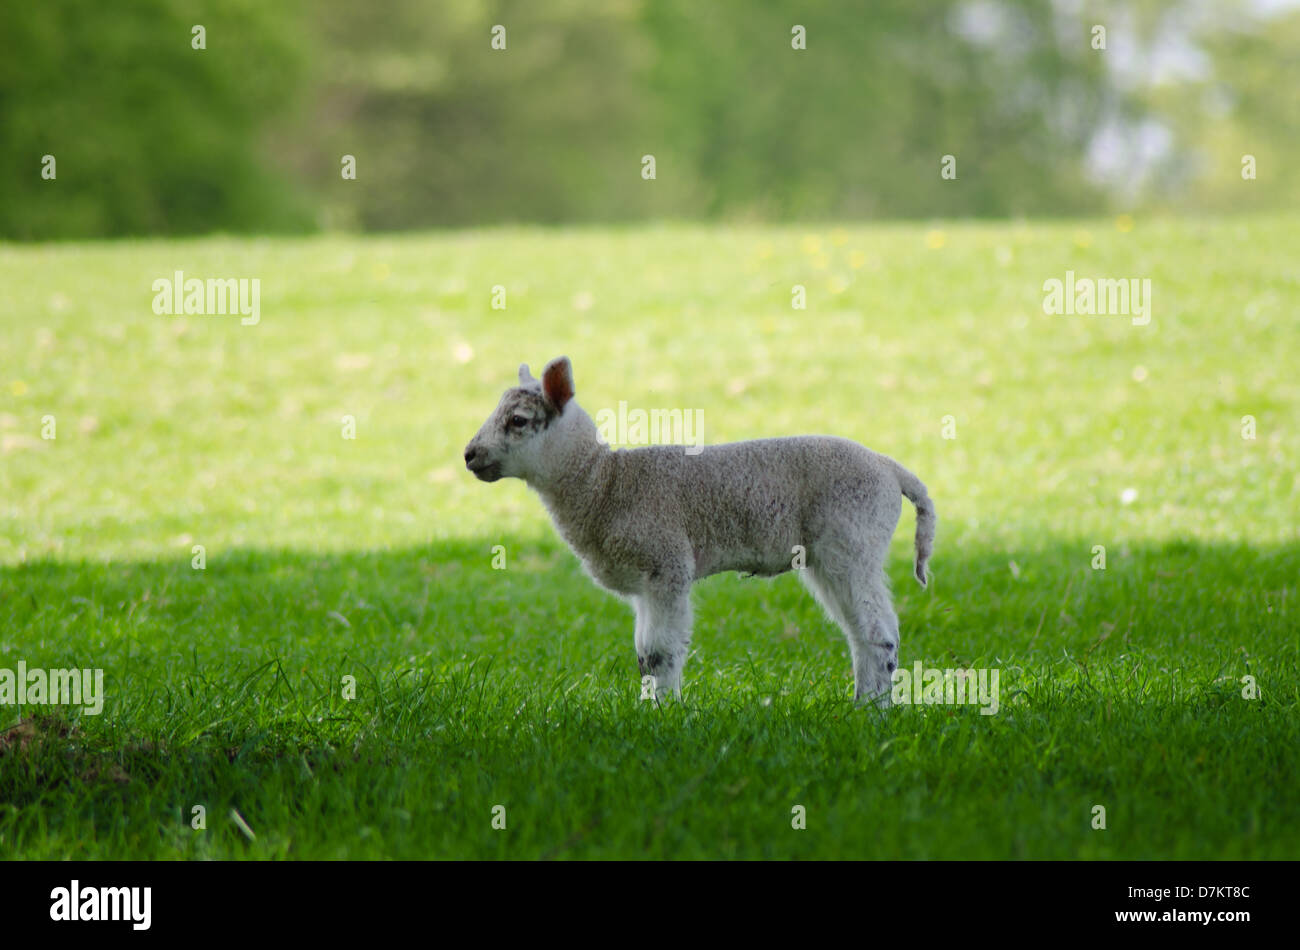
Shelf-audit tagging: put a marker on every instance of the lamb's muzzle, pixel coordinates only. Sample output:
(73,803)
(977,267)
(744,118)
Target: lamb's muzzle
(484,470)
(649,522)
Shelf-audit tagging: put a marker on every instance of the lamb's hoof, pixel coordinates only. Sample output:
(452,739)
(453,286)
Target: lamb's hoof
(880,700)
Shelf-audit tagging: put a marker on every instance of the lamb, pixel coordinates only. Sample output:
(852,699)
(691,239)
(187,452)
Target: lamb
(649,522)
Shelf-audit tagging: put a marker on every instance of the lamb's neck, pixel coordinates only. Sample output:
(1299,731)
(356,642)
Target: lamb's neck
(573,488)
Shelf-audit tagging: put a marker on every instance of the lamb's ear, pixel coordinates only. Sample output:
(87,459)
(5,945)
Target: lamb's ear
(557,382)
(526,377)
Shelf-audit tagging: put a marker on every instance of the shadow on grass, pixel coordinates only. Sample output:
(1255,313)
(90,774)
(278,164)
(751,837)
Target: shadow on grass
(448,601)
(229,686)
(165,626)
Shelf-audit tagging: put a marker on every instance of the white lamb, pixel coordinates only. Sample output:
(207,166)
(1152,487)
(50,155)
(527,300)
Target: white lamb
(649,522)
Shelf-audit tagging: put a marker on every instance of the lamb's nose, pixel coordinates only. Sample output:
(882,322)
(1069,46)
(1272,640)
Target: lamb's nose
(471,453)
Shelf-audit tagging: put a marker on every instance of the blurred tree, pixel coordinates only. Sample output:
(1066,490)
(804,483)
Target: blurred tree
(446,130)
(148,134)
(859,122)
(1244,101)
(449,131)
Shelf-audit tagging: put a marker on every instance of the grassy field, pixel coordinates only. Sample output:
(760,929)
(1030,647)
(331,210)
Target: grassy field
(329,557)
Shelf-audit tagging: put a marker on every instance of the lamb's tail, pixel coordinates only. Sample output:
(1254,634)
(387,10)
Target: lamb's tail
(915,492)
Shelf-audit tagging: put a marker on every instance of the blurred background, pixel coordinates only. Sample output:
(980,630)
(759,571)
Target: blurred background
(152,136)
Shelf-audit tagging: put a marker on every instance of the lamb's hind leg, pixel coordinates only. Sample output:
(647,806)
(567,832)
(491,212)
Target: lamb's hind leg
(858,600)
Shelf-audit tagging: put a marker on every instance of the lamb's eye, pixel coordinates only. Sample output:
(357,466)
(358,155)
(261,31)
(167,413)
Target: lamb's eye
(518,422)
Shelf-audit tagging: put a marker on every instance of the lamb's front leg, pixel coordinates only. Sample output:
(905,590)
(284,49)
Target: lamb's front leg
(663,636)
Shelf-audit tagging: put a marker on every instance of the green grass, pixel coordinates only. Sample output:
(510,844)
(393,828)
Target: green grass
(477,687)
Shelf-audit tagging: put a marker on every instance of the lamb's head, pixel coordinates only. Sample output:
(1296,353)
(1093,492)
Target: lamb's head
(512,442)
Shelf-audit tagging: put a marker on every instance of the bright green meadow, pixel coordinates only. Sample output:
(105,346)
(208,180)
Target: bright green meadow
(1162,688)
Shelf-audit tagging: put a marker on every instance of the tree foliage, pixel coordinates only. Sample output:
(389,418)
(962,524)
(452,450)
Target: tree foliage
(153,136)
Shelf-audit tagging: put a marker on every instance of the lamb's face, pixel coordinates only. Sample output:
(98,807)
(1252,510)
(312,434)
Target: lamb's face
(511,437)
(510,442)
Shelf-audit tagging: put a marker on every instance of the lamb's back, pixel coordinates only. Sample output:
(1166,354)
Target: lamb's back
(743,505)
